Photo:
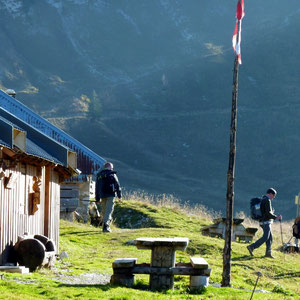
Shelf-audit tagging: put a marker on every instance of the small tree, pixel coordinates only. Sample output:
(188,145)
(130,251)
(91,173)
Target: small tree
(95,107)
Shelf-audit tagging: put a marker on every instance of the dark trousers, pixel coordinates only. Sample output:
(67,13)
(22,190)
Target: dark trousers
(266,238)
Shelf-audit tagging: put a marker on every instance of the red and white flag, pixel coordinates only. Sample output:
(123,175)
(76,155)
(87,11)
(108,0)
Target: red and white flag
(236,39)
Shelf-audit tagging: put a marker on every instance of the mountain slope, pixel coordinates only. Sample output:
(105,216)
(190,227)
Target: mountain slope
(153,80)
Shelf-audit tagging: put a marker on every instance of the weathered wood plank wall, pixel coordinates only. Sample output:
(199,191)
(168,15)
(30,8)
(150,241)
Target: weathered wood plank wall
(54,214)
(15,218)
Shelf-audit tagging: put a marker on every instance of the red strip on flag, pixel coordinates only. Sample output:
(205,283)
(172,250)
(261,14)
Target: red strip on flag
(240,10)
(236,39)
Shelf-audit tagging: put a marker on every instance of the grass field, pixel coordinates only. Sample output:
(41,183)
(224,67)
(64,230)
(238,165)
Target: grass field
(91,251)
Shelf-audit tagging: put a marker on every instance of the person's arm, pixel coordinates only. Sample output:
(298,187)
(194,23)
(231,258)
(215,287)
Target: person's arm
(117,187)
(269,210)
(97,190)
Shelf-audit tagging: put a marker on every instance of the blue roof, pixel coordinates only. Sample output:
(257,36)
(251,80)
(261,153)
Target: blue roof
(36,142)
(87,161)
(12,124)
(2,143)
(35,150)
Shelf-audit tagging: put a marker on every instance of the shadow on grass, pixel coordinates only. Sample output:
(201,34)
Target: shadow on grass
(103,287)
(248,257)
(244,265)
(81,232)
(244,257)
(139,285)
(287,275)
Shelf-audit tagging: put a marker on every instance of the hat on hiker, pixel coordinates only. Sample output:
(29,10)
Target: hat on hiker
(272,191)
(108,166)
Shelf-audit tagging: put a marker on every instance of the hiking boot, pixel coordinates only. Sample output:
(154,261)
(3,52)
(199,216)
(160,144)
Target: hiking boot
(269,254)
(250,249)
(106,228)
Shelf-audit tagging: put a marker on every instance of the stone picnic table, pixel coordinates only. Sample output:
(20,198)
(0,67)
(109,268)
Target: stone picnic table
(163,266)
(163,255)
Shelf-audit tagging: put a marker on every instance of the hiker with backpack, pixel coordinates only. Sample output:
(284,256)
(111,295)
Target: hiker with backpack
(265,214)
(107,188)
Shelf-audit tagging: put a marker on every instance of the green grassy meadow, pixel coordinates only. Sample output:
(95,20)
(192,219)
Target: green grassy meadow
(91,251)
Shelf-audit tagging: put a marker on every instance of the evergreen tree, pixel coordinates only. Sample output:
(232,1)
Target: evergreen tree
(95,107)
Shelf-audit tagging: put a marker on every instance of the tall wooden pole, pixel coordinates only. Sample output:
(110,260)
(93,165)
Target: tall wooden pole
(230,180)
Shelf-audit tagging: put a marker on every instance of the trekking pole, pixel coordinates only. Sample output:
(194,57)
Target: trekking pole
(258,275)
(281,233)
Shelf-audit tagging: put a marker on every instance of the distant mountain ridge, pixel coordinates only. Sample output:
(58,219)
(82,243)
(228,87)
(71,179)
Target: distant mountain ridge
(149,84)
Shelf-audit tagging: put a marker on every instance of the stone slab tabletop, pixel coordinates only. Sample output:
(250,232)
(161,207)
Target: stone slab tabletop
(199,263)
(177,243)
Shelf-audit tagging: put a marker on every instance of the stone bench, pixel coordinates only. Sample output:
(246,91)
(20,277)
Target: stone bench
(123,271)
(197,281)
(125,268)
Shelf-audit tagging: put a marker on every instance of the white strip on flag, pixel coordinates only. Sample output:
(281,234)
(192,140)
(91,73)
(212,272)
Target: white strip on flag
(236,39)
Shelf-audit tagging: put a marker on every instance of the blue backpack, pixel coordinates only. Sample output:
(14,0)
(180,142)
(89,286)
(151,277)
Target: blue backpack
(255,211)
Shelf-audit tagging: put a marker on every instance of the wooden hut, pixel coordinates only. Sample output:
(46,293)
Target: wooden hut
(77,191)
(32,166)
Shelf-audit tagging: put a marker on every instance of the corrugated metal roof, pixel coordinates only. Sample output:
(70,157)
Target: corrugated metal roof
(35,150)
(12,124)
(31,147)
(87,161)
(2,143)
(53,147)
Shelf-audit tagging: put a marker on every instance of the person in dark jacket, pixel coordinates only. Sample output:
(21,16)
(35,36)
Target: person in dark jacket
(107,188)
(265,223)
